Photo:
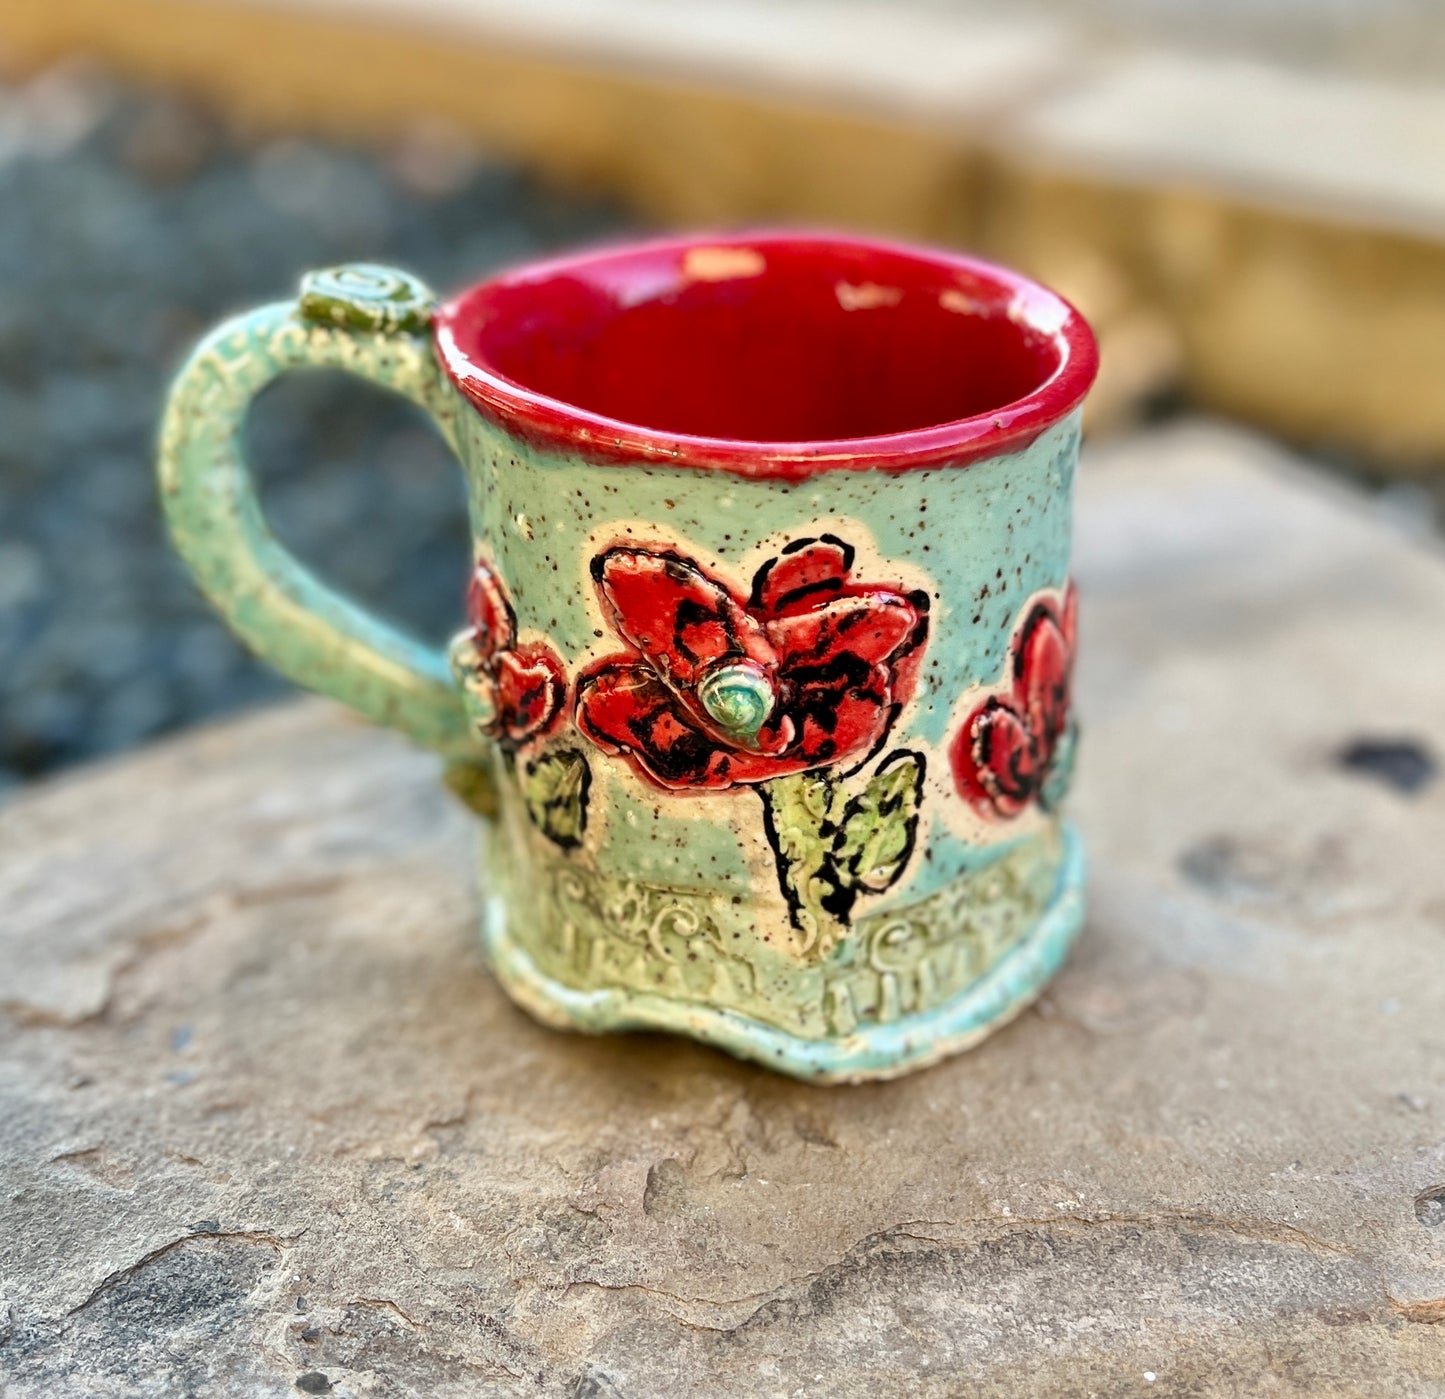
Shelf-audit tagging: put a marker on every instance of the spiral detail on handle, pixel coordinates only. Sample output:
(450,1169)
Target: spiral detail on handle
(365,296)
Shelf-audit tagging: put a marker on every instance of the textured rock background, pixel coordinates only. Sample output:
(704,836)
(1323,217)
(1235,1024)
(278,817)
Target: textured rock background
(267,1127)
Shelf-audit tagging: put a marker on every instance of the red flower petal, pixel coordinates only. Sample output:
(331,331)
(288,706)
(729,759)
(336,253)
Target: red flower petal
(806,572)
(530,688)
(871,626)
(679,618)
(841,656)
(1043,659)
(994,760)
(494,624)
(625,709)
(907,661)
(842,710)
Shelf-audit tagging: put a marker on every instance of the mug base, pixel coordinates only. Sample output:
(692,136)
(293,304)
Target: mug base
(875,1052)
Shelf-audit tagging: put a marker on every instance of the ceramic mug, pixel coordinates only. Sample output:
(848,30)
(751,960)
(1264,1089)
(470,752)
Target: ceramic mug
(764,687)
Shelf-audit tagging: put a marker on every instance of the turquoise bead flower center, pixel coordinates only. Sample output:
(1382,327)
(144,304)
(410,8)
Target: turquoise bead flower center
(738,697)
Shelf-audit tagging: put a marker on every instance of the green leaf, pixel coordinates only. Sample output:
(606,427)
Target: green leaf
(556,787)
(801,827)
(880,824)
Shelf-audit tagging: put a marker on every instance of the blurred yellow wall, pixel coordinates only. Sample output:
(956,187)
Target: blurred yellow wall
(1325,326)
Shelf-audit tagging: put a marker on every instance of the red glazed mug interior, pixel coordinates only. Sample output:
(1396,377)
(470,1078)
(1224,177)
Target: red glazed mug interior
(779,353)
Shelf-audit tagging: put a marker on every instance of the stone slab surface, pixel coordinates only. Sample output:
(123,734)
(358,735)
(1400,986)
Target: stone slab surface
(267,1127)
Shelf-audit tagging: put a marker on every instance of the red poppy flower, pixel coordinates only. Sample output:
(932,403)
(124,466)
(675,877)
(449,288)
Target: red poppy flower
(716,692)
(1017,745)
(514,692)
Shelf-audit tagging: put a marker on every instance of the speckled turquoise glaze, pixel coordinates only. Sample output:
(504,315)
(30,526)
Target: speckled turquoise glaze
(613,903)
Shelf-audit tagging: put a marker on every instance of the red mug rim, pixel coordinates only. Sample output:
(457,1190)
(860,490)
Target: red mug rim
(638,269)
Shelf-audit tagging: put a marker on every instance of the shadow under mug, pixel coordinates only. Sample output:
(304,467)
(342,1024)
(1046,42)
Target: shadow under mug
(763,692)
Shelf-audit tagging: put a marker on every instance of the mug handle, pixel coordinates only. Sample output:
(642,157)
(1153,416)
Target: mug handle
(374,322)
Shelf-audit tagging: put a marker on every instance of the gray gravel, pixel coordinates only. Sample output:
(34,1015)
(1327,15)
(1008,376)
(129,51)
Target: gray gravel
(128,223)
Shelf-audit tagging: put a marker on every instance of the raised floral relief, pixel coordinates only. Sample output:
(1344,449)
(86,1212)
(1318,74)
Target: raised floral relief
(1016,747)
(513,693)
(516,695)
(777,690)
(716,692)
